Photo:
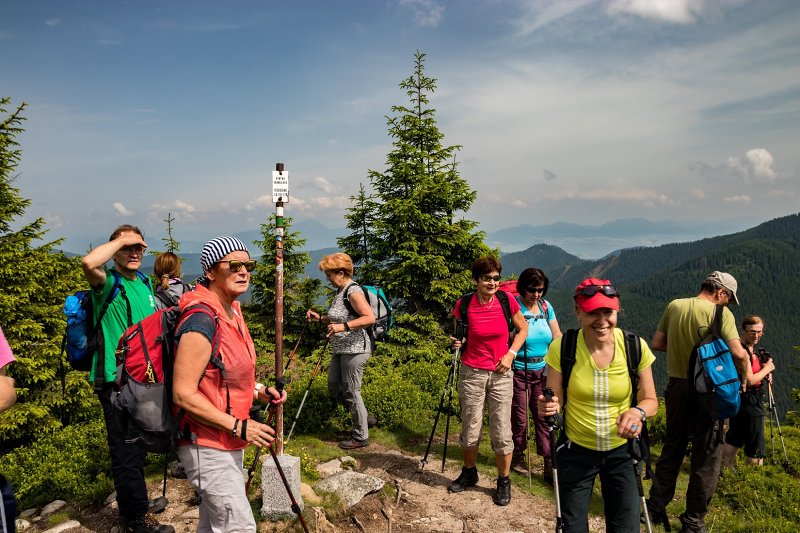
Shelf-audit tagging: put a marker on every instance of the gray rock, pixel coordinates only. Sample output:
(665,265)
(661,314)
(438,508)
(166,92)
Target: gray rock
(350,486)
(330,468)
(111,498)
(52,507)
(22,524)
(191,514)
(27,513)
(64,526)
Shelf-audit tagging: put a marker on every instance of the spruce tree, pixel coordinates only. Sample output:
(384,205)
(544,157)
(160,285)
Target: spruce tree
(169,241)
(420,248)
(300,292)
(34,280)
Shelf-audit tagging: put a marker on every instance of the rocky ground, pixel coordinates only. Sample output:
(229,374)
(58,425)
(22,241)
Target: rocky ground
(424,505)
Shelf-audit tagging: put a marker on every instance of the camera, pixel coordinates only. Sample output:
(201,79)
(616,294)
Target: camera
(763,355)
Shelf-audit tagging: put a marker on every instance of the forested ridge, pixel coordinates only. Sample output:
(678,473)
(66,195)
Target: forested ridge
(764,260)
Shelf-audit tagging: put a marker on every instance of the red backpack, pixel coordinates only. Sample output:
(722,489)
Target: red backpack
(145,357)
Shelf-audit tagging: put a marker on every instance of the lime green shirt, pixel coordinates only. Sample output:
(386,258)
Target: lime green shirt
(685,321)
(115,321)
(596,397)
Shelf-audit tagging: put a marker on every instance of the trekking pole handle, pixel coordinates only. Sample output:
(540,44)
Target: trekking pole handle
(548,397)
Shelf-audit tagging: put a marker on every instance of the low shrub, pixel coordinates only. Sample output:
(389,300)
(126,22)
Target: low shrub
(70,464)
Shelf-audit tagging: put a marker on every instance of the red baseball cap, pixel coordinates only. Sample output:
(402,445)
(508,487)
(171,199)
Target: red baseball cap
(594,293)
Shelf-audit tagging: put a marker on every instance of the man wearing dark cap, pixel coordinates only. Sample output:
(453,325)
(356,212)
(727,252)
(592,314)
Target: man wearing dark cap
(684,322)
(121,296)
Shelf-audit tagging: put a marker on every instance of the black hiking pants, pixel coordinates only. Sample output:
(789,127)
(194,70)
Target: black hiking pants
(127,462)
(687,421)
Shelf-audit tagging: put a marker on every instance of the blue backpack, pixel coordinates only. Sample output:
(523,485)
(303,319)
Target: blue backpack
(381,308)
(83,336)
(712,372)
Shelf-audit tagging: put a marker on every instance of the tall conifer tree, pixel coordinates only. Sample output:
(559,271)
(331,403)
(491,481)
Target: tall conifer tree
(420,249)
(34,280)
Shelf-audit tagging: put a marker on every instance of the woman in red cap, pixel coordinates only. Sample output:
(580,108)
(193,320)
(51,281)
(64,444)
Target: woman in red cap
(599,418)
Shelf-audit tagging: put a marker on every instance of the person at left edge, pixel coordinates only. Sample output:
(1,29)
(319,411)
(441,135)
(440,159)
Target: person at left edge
(214,459)
(126,248)
(485,379)
(8,396)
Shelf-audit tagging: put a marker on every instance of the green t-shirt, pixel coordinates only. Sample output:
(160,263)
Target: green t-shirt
(115,321)
(685,321)
(596,397)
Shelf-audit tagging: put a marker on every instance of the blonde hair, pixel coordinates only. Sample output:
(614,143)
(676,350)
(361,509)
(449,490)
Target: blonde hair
(167,265)
(338,262)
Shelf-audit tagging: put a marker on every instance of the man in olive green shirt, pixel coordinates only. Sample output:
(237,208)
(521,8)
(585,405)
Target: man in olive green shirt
(684,323)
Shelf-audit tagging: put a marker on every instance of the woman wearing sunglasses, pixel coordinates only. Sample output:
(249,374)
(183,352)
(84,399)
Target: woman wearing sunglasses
(529,376)
(484,377)
(348,317)
(599,418)
(218,403)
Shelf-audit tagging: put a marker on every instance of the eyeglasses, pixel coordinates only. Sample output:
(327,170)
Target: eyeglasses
(754,331)
(591,290)
(236,266)
(487,278)
(133,249)
(533,290)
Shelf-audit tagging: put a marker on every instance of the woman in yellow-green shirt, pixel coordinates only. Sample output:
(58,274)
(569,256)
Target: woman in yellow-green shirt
(599,417)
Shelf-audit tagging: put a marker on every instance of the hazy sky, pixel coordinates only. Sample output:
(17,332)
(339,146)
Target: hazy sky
(576,111)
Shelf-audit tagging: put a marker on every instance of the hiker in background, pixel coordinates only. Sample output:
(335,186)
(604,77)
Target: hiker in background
(599,418)
(746,429)
(684,322)
(133,302)
(218,404)
(8,396)
(484,377)
(529,378)
(350,344)
(167,268)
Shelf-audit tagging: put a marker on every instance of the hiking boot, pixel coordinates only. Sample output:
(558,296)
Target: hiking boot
(158,505)
(547,473)
(502,495)
(353,443)
(467,478)
(690,528)
(146,523)
(518,463)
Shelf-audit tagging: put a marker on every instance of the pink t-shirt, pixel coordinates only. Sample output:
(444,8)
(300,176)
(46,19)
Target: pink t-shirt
(6,355)
(488,332)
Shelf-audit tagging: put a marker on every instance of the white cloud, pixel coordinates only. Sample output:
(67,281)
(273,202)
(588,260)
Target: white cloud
(52,22)
(54,221)
(539,15)
(325,186)
(755,167)
(427,13)
(122,210)
(741,199)
(678,11)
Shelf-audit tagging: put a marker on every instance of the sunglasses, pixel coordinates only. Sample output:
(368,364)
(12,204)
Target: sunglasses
(591,290)
(133,249)
(487,278)
(236,266)
(533,290)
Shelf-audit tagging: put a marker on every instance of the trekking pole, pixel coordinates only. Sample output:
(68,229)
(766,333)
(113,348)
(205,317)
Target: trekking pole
(305,394)
(454,373)
(296,345)
(778,425)
(280,384)
(439,410)
(295,506)
(635,451)
(553,422)
(528,419)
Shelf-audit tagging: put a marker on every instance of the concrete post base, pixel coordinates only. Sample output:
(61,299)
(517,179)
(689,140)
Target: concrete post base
(276,504)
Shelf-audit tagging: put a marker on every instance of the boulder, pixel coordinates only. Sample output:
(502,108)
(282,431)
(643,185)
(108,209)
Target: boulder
(350,486)
(64,526)
(52,507)
(329,468)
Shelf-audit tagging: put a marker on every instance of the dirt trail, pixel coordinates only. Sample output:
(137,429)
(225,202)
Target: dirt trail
(425,505)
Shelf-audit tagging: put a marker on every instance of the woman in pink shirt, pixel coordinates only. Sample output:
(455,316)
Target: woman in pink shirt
(484,377)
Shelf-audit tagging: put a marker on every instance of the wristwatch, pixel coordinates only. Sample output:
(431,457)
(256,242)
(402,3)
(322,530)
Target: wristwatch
(644,415)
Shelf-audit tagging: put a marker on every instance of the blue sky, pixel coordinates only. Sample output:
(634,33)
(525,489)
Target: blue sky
(576,111)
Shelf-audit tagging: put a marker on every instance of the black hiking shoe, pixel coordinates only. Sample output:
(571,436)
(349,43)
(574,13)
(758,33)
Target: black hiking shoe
(502,495)
(467,478)
(353,443)
(146,523)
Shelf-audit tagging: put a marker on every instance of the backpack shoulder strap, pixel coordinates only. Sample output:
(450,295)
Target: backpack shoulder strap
(346,298)
(462,310)
(716,326)
(502,297)
(633,352)
(569,345)
(545,308)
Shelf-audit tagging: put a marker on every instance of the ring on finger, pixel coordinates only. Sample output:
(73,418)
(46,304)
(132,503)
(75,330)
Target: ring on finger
(634,427)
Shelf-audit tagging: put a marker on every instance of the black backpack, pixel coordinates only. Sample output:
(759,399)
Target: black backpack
(633,352)
(502,297)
